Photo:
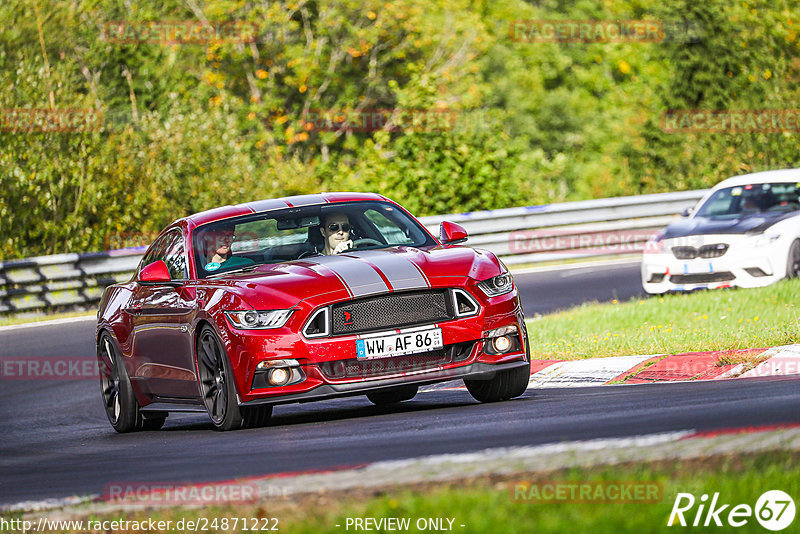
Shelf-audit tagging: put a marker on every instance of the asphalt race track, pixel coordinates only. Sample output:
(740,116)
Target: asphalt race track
(57,442)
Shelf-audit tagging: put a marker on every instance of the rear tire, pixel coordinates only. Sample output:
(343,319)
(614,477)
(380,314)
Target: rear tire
(154,420)
(119,401)
(218,388)
(393,395)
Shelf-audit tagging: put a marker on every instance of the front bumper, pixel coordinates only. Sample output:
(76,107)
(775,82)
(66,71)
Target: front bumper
(473,371)
(321,360)
(740,266)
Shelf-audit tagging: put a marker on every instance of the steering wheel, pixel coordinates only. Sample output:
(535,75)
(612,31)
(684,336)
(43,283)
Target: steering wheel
(366,241)
(307,253)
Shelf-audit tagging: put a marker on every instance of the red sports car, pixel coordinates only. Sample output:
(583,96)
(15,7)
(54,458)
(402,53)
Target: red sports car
(239,308)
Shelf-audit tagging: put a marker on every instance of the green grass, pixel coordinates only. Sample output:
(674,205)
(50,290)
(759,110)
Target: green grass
(487,504)
(672,324)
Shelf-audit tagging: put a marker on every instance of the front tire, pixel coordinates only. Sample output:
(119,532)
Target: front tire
(793,260)
(218,389)
(393,395)
(505,385)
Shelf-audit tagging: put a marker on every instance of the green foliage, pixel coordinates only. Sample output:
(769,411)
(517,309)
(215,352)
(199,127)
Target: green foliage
(189,126)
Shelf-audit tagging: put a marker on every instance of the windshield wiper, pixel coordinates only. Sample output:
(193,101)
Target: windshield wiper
(245,269)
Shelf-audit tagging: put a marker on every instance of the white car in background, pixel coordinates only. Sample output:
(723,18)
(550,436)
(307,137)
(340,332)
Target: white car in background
(745,232)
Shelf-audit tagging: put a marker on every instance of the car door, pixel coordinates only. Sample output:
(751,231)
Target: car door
(162,345)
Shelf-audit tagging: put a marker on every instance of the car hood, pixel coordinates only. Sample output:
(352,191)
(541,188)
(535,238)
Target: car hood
(358,274)
(750,224)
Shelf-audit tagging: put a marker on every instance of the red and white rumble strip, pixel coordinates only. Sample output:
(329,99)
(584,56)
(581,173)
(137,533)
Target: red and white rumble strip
(776,361)
(615,370)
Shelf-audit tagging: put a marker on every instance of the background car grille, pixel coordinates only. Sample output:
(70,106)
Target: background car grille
(706,251)
(684,253)
(354,368)
(713,251)
(701,278)
(390,311)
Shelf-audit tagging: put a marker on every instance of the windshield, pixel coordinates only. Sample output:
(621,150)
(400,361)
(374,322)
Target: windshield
(741,201)
(245,242)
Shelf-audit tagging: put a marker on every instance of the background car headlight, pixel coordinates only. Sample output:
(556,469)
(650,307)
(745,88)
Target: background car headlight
(762,240)
(259,319)
(499,285)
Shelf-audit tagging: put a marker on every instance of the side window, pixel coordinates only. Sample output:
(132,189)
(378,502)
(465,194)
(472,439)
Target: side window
(391,231)
(170,249)
(157,250)
(175,257)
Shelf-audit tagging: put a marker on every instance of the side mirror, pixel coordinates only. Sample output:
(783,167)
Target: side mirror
(155,273)
(450,233)
(687,211)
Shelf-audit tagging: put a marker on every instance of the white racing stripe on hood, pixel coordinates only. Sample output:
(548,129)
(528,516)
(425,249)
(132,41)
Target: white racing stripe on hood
(359,277)
(401,272)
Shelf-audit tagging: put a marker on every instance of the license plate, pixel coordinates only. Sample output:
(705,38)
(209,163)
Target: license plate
(698,267)
(385,344)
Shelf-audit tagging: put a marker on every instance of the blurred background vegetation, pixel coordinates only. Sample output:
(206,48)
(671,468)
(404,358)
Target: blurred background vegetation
(187,127)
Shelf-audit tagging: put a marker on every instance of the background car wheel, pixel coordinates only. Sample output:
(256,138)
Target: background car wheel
(119,401)
(393,395)
(505,385)
(793,261)
(218,388)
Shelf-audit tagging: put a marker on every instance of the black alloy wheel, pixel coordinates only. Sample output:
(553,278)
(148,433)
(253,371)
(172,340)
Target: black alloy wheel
(218,389)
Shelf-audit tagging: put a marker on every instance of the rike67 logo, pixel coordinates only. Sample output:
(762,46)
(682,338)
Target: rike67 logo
(774,510)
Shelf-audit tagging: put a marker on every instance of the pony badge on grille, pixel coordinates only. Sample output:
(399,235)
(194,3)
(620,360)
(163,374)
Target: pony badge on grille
(348,317)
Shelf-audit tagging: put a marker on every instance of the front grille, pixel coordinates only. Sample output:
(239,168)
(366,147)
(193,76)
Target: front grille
(393,310)
(355,368)
(713,251)
(684,253)
(702,278)
(706,251)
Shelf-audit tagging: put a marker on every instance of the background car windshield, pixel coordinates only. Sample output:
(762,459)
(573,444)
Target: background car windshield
(740,201)
(291,234)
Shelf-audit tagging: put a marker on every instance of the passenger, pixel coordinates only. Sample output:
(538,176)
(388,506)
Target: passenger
(336,234)
(220,256)
(220,241)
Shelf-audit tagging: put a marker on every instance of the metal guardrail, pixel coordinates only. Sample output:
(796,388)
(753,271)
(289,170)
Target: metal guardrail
(532,234)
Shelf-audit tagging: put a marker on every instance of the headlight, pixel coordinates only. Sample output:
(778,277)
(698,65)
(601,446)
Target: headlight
(499,285)
(259,319)
(762,240)
(655,245)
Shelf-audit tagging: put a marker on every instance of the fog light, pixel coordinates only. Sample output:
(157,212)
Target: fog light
(501,344)
(278,376)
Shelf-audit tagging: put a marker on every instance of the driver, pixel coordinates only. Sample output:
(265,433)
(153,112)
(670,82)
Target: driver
(336,233)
